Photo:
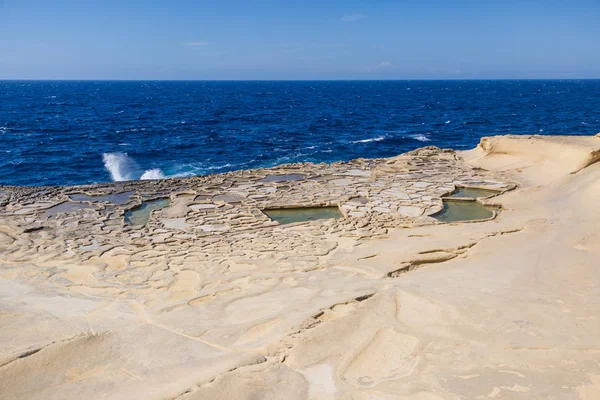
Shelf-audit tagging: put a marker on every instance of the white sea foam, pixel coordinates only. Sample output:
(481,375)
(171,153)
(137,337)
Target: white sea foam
(183,175)
(377,139)
(420,137)
(150,174)
(213,167)
(120,166)
(123,168)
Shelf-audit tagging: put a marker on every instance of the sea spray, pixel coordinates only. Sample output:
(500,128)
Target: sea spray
(120,166)
(123,168)
(150,174)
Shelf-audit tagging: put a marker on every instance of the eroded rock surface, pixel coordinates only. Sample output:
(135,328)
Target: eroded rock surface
(210,299)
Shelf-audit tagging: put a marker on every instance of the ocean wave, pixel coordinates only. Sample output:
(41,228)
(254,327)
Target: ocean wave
(183,175)
(151,174)
(120,166)
(205,168)
(376,139)
(420,137)
(213,167)
(124,168)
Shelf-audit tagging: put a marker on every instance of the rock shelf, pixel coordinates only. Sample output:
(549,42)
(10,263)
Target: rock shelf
(212,211)
(215,223)
(210,299)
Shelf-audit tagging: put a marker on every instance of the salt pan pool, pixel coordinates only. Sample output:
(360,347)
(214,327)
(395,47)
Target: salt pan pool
(302,214)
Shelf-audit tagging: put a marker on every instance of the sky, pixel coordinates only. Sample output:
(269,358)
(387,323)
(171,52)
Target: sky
(272,40)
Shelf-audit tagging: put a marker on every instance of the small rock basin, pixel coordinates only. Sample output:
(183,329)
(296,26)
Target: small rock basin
(302,214)
(140,215)
(472,193)
(66,207)
(117,198)
(283,178)
(456,211)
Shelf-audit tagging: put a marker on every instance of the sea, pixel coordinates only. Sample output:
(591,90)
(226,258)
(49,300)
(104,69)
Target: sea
(81,132)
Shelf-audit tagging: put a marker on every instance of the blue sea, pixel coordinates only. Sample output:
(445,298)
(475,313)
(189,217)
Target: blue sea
(64,133)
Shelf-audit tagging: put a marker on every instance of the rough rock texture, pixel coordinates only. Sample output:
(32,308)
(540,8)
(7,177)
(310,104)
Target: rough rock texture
(212,300)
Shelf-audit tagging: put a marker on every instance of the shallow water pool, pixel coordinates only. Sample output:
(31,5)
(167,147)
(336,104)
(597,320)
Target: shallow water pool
(117,198)
(283,178)
(66,207)
(302,214)
(140,215)
(473,193)
(455,211)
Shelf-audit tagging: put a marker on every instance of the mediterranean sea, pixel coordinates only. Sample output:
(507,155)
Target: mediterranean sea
(80,132)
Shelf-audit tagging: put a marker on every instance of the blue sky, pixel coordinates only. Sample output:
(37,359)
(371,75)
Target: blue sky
(411,39)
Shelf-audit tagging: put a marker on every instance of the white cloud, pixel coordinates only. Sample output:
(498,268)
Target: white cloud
(196,44)
(352,17)
(385,64)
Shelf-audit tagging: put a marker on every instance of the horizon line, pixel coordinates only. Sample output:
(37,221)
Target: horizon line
(294,80)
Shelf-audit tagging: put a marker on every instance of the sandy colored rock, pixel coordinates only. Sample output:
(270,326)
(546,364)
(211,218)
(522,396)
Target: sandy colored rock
(216,301)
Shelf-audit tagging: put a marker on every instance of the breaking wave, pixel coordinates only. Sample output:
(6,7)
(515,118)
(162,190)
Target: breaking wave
(150,174)
(420,137)
(123,168)
(376,139)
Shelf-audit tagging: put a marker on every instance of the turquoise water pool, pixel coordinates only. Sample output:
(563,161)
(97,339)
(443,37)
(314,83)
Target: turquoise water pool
(140,215)
(302,214)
